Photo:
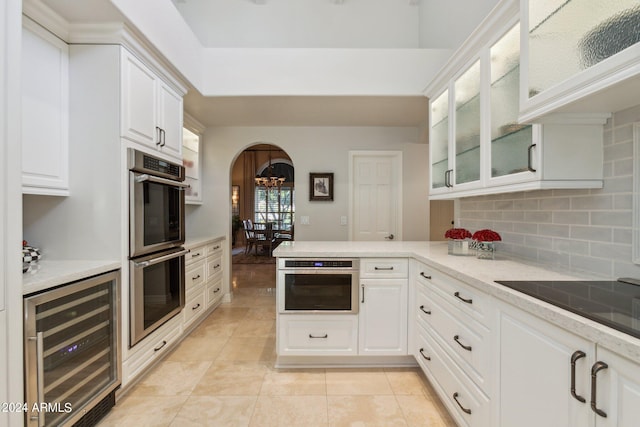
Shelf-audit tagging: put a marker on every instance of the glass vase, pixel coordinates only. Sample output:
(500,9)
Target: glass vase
(459,247)
(485,250)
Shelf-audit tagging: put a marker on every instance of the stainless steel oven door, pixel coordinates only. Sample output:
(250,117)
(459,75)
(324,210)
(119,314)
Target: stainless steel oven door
(157,291)
(156,213)
(328,291)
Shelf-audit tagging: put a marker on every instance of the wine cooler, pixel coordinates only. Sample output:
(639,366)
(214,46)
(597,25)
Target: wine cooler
(72,352)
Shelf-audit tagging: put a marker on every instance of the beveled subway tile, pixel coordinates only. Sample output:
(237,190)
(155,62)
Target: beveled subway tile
(294,382)
(419,411)
(357,382)
(143,411)
(218,411)
(232,379)
(370,411)
(279,411)
(172,378)
(198,348)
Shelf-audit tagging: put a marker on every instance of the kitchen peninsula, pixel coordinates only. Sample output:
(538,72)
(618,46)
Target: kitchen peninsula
(472,337)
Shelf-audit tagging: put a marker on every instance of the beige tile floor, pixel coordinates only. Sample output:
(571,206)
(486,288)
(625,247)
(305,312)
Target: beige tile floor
(223,374)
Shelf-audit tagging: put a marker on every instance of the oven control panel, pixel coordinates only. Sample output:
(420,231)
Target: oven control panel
(316,263)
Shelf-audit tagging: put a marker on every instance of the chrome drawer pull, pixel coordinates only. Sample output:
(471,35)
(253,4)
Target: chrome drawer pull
(468,301)
(319,337)
(216,266)
(425,276)
(574,358)
(423,355)
(216,290)
(597,367)
(383,268)
(160,346)
(195,307)
(195,255)
(465,410)
(195,278)
(456,339)
(424,311)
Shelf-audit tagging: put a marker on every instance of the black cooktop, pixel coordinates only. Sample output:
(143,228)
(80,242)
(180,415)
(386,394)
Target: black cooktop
(613,303)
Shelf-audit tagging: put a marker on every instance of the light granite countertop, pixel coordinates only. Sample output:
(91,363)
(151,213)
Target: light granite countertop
(192,242)
(48,274)
(480,274)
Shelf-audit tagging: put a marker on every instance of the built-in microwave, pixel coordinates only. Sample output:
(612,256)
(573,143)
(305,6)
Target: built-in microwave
(156,204)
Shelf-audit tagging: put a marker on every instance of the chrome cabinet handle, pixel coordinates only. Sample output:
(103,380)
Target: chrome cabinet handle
(319,337)
(216,266)
(465,410)
(390,237)
(39,339)
(383,268)
(158,137)
(577,355)
(468,301)
(425,276)
(195,278)
(456,338)
(164,342)
(216,290)
(195,307)
(215,248)
(424,311)
(423,355)
(597,367)
(158,260)
(362,301)
(163,134)
(529,164)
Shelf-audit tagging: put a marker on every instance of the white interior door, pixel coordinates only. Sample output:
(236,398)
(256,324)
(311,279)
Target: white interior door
(375,195)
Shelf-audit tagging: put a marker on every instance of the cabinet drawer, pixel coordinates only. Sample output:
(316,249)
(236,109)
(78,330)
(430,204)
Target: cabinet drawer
(150,349)
(214,248)
(423,305)
(214,292)
(471,301)
(214,266)
(467,341)
(194,275)
(329,335)
(196,254)
(193,308)
(466,403)
(384,268)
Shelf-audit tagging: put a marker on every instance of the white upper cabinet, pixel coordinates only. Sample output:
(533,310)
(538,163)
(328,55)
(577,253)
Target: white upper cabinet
(478,146)
(45,112)
(579,56)
(151,109)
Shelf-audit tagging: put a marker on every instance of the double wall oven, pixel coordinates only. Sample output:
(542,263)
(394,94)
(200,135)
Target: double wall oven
(157,233)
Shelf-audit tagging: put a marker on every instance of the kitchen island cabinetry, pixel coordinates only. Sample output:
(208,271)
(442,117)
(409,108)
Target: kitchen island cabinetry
(382,325)
(596,59)
(550,376)
(151,109)
(45,112)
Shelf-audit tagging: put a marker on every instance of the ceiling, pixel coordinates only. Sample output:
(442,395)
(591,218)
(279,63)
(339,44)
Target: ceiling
(345,24)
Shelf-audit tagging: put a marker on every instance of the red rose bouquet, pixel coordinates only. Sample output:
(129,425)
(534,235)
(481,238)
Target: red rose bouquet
(457,233)
(486,235)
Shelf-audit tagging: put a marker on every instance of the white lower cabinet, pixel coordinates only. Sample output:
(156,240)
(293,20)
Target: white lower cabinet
(151,349)
(550,376)
(320,335)
(453,340)
(383,317)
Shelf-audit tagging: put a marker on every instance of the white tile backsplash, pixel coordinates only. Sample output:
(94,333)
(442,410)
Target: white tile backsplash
(585,230)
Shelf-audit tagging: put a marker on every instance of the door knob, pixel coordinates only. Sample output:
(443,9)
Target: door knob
(390,237)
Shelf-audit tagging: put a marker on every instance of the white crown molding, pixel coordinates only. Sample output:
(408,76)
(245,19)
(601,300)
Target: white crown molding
(47,18)
(192,123)
(575,118)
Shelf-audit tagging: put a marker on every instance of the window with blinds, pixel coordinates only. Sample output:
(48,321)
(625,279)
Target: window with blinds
(275,206)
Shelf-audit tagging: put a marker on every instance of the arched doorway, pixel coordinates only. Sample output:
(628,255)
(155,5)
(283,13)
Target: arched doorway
(263,193)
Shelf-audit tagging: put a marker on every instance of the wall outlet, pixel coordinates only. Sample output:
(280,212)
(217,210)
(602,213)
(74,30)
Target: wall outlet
(304,220)
(343,220)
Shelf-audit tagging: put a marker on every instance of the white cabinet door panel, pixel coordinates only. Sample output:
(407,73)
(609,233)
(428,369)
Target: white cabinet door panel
(139,100)
(383,317)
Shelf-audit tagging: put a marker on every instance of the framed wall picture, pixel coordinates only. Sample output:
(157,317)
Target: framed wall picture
(321,186)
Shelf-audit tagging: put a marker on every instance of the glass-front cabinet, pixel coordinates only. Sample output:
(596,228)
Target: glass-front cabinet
(511,141)
(577,50)
(479,146)
(439,141)
(467,125)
